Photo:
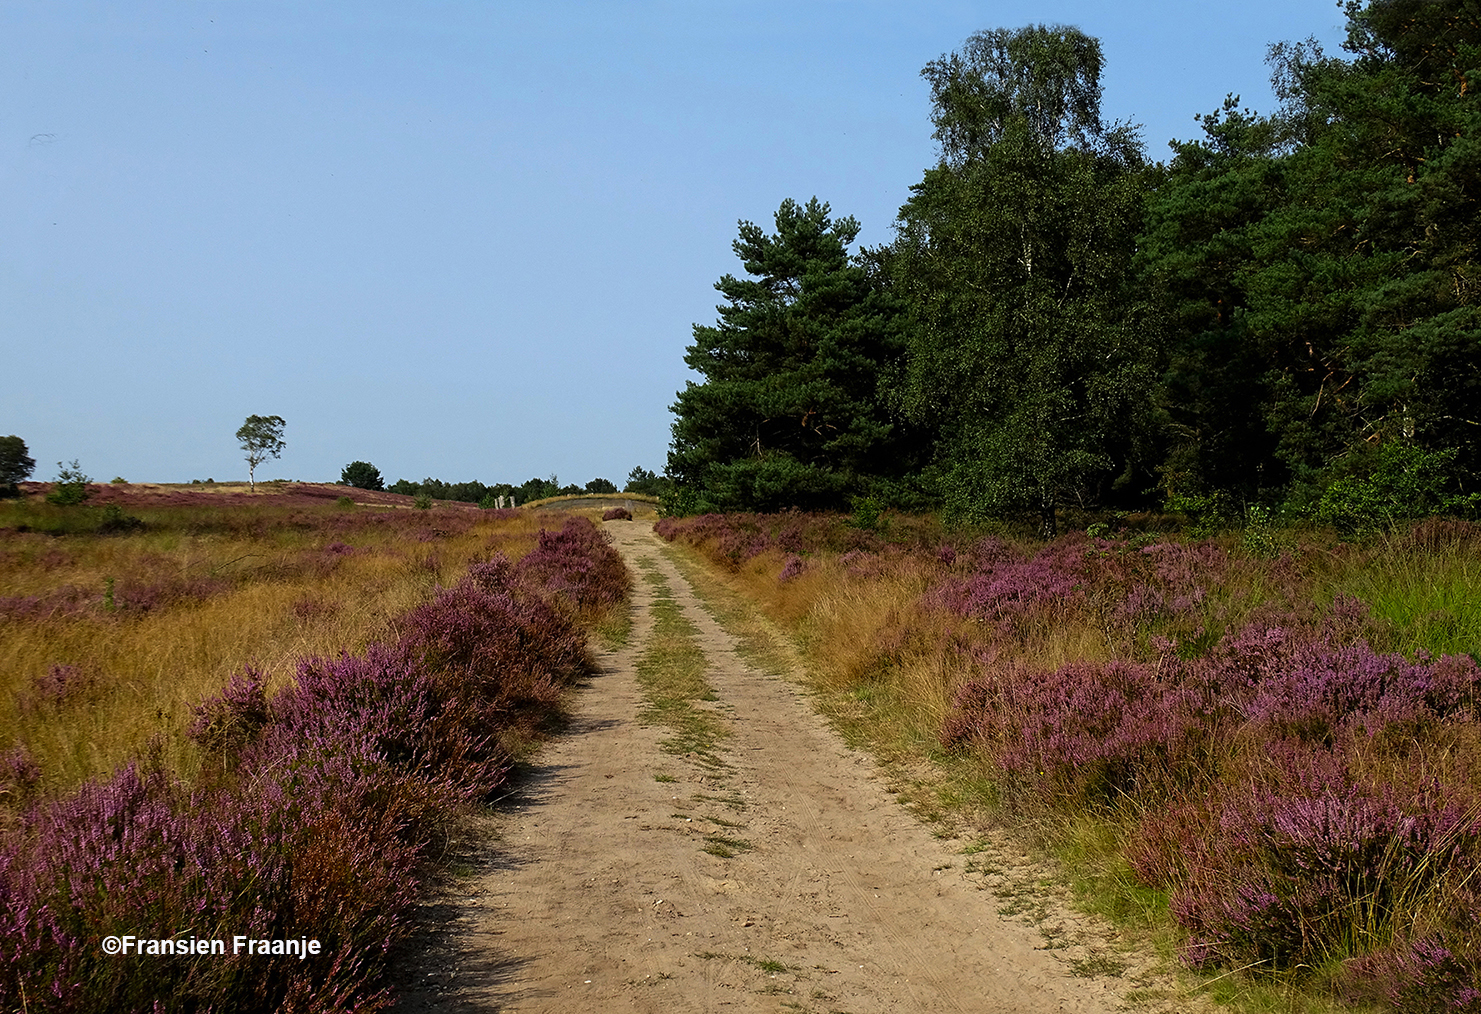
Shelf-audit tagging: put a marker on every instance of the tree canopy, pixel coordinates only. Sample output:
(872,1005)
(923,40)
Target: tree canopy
(1044,78)
(261,436)
(1029,348)
(16,465)
(361,475)
(790,410)
(1284,314)
(1319,264)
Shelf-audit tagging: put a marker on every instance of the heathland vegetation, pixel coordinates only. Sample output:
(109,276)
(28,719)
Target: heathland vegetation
(1243,703)
(235,715)
(1262,747)
(1282,318)
(1265,742)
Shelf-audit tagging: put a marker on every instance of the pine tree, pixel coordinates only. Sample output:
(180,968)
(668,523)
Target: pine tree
(789,413)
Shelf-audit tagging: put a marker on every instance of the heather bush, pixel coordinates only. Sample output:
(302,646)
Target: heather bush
(274,857)
(19,776)
(317,818)
(228,721)
(576,564)
(617,514)
(67,600)
(733,539)
(1435,973)
(1087,732)
(1007,590)
(1308,858)
(60,685)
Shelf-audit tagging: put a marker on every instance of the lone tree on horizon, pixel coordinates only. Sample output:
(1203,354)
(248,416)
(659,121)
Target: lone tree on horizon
(261,436)
(16,465)
(361,475)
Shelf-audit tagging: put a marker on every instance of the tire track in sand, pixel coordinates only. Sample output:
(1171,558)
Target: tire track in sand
(592,890)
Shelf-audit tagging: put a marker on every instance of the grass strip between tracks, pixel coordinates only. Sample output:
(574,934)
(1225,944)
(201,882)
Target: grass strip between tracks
(671,672)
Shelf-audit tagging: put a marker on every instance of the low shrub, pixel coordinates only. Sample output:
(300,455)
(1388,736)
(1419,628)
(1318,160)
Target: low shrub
(617,514)
(322,810)
(1291,727)
(576,564)
(70,487)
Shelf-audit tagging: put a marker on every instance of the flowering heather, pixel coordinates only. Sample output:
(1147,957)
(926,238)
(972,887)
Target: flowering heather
(1007,589)
(1304,855)
(578,564)
(617,514)
(1085,716)
(19,774)
(733,539)
(273,857)
(68,600)
(231,719)
(61,684)
(316,818)
(1304,792)
(1088,731)
(1309,856)
(1437,973)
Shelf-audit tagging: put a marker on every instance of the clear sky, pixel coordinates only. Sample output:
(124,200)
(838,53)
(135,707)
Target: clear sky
(463,240)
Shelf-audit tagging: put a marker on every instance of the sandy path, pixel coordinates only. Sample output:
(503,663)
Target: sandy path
(594,892)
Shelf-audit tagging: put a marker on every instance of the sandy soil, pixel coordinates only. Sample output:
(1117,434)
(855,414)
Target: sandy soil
(591,889)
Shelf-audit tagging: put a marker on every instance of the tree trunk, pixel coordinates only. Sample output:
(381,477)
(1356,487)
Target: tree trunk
(1048,520)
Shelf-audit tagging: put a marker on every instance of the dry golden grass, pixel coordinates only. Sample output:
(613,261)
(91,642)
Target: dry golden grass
(886,670)
(871,635)
(139,674)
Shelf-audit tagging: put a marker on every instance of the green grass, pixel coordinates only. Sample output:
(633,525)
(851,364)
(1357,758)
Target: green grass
(724,847)
(671,675)
(1089,849)
(770,965)
(1096,965)
(732,801)
(718,822)
(615,630)
(1428,599)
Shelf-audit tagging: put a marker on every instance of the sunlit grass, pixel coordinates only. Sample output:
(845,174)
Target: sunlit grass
(671,673)
(1429,597)
(272,594)
(886,668)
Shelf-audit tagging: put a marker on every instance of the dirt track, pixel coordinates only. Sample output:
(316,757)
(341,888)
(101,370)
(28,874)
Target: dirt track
(593,891)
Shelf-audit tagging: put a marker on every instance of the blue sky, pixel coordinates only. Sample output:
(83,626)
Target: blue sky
(462,240)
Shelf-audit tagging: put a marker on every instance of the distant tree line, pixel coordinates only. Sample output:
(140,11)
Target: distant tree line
(363,475)
(1285,314)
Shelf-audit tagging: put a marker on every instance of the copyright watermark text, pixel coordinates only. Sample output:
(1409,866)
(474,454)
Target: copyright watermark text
(287,947)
